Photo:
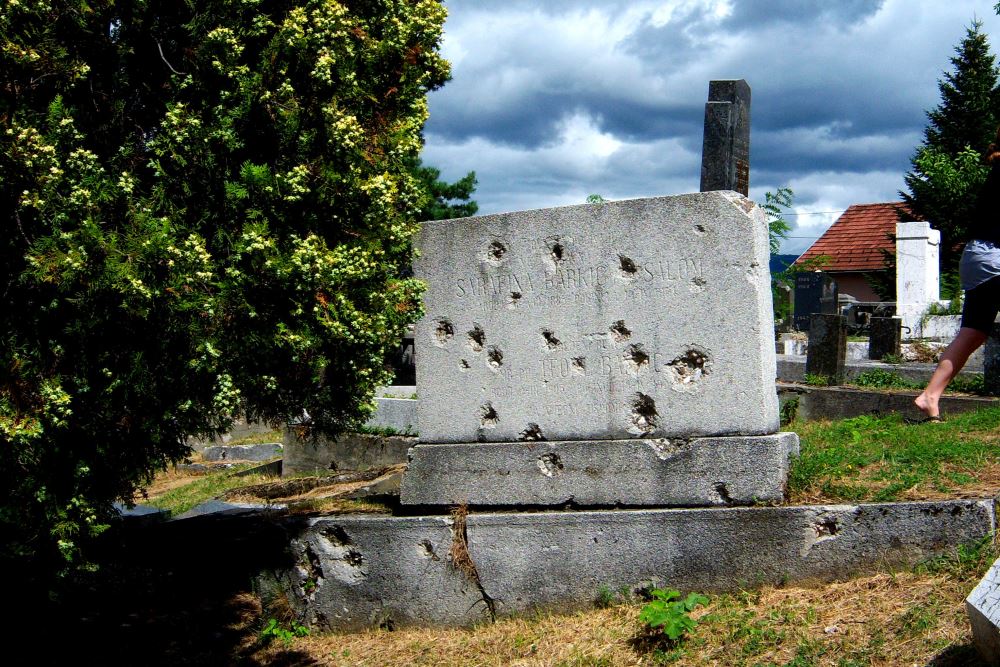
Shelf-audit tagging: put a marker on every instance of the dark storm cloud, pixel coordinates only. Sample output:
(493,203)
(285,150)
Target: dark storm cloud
(551,101)
(751,14)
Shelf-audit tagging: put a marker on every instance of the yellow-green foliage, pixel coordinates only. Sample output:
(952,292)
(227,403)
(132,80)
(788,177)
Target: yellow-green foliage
(206,209)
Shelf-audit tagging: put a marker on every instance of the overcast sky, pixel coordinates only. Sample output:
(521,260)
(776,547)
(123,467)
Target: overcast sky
(554,100)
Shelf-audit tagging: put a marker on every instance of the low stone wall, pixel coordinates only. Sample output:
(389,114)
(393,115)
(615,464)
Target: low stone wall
(792,368)
(815,403)
(350,451)
(353,572)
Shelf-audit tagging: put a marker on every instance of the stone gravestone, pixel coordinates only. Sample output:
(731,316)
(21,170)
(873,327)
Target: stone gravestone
(725,155)
(983,609)
(827,353)
(815,292)
(617,353)
(886,336)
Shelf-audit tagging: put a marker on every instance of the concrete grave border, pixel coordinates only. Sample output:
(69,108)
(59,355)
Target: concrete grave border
(355,572)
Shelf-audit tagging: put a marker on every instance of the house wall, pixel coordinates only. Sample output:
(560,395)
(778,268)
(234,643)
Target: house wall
(855,285)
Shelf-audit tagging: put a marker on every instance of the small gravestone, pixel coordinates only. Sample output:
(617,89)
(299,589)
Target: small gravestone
(725,157)
(613,353)
(983,609)
(886,335)
(815,292)
(827,352)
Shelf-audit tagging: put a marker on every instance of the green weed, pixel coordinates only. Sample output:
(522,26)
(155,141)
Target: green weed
(274,630)
(671,614)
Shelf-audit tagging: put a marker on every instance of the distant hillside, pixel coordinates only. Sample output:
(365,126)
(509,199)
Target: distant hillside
(781,262)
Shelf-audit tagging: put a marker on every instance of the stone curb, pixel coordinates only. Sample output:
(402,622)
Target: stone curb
(358,571)
(815,403)
(259,452)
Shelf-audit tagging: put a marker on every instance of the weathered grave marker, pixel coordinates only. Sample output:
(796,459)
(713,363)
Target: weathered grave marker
(587,353)
(815,292)
(725,156)
(885,338)
(646,318)
(827,352)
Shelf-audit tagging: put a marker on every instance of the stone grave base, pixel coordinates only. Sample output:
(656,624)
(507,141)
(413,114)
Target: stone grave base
(734,470)
(353,572)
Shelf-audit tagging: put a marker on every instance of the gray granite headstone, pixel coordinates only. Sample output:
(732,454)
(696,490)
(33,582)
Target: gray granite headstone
(725,157)
(647,318)
(983,608)
(827,352)
(885,338)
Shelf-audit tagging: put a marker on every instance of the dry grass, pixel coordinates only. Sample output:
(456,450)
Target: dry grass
(881,620)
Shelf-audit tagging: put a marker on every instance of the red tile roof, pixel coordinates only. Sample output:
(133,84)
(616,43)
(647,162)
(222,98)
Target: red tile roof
(854,241)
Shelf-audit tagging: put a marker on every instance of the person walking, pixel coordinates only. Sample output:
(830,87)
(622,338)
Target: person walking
(979,272)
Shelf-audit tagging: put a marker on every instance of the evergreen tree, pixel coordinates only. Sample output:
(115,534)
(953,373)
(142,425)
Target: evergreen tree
(946,168)
(444,200)
(205,211)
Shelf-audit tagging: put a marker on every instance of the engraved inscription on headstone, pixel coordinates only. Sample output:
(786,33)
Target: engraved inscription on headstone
(643,318)
(725,158)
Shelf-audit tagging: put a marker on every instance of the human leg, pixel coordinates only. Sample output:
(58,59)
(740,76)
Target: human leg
(953,359)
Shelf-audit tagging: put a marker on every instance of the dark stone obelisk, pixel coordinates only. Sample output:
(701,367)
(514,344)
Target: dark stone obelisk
(725,153)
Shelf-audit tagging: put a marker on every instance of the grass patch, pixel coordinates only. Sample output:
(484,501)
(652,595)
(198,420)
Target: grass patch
(877,459)
(204,488)
(274,435)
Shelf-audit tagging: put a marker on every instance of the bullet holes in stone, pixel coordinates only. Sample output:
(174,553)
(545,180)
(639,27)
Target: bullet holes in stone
(627,267)
(531,433)
(635,357)
(698,285)
(515,297)
(494,357)
(550,464)
(558,252)
(477,338)
(700,230)
(443,332)
(463,365)
(488,417)
(579,365)
(620,332)
(426,550)
(495,251)
(644,414)
(551,342)
(689,368)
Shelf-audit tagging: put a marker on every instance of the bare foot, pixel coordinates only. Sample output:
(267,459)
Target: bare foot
(927,405)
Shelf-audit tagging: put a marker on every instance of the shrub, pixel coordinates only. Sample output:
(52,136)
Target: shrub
(206,212)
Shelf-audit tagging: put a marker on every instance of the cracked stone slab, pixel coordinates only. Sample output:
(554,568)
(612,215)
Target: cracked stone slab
(645,318)
(354,572)
(735,470)
(983,609)
(363,571)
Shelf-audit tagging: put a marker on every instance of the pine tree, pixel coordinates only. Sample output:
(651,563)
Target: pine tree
(946,168)
(444,200)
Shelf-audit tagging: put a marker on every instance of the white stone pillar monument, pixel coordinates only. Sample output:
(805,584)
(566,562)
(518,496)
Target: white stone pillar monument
(917,285)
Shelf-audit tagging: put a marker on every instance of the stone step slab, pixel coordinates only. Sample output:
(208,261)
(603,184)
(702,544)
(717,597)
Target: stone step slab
(644,318)
(736,470)
(353,572)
